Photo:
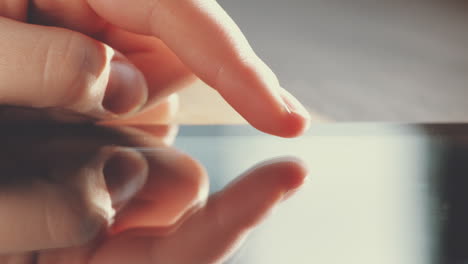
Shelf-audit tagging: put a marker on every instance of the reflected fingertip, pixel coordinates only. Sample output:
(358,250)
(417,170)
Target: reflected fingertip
(297,174)
(296,177)
(291,170)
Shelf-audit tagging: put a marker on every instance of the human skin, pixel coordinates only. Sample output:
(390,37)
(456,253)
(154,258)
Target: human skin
(105,60)
(80,194)
(109,59)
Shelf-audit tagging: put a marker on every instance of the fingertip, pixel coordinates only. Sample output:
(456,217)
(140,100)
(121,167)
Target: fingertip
(298,173)
(278,114)
(292,171)
(297,119)
(293,125)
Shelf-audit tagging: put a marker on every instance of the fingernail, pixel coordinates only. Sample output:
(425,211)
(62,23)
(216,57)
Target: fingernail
(126,90)
(125,173)
(292,105)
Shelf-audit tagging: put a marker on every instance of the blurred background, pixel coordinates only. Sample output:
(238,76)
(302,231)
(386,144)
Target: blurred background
(365,60)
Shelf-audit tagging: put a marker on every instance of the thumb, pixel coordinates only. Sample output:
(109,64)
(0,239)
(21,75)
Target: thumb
(74,207)
(45,67)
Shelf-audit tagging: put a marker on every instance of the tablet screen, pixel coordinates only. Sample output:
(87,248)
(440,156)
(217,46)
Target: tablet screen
(377,193)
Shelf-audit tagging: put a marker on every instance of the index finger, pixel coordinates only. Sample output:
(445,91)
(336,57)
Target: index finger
(208,41)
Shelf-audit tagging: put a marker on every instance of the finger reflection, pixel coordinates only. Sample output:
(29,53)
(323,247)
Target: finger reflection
(66,184)
(123,195)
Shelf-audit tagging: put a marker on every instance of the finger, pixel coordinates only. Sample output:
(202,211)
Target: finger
(161,113)
(230,214)
(14,9)
(72,14)
(210,234)
(65,202)
(176,184)
(208,41)
(163,71)
(44,67)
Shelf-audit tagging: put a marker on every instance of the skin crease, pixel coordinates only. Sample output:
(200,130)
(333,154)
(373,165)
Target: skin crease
(228,64)
(78,61)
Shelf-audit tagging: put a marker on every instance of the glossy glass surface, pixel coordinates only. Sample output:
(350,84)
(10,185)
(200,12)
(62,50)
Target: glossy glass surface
(377,193)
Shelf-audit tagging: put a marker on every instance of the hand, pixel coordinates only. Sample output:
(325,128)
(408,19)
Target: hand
(110,59)
(85,194)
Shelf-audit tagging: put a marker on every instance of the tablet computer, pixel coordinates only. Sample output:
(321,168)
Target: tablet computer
(377,193)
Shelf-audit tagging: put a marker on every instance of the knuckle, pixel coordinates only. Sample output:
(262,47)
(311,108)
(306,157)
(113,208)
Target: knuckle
(71,68)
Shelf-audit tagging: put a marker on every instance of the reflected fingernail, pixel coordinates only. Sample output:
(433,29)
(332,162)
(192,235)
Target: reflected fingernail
(292,105)
(126,90)
(125,173)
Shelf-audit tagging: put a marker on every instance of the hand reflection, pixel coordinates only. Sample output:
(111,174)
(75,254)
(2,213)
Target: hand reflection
(85,194)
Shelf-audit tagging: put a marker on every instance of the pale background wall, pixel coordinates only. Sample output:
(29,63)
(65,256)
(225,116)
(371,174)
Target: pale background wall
(365,59)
